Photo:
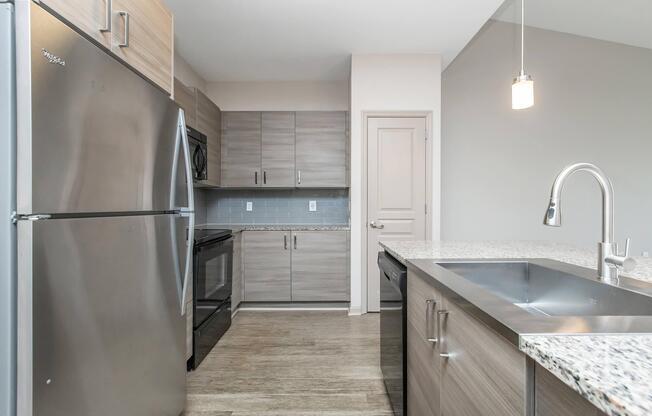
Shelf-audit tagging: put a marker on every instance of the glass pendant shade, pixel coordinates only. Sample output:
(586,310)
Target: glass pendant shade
(522,92)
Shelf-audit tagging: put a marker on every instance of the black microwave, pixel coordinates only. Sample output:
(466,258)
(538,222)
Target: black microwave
(198,154)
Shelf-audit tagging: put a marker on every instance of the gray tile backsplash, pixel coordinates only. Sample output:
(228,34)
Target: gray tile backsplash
(286,206)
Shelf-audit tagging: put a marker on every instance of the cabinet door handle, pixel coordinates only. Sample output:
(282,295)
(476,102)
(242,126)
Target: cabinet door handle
(125,42)
(295,241)
(264,177)
(107,18)
(442,353)
(256,177)
(285,241)
(431,305)
(299,177)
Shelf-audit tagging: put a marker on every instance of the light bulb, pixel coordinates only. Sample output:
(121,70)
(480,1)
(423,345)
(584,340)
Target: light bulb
(522,92)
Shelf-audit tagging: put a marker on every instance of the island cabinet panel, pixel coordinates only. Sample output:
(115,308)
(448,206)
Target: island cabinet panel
(209,123)
(241,149)
(267,266)
(278,149)
(423,361)
(554,398)
(484,373)
(321,145)
(320,266)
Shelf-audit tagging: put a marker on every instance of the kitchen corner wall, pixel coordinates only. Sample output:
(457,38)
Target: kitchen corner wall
(593,104)
(393,82)
(282,206)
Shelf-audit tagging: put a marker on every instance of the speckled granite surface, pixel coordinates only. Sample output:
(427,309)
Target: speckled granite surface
(277,227)
(403,250)
(612,372)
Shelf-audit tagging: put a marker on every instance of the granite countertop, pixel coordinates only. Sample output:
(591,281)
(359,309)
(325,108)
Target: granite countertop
(277,227)
(613,372)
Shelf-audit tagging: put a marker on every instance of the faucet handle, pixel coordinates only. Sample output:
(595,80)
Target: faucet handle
(622,261)
(627,241)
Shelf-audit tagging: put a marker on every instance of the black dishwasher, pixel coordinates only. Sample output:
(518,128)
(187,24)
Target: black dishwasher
(393,330)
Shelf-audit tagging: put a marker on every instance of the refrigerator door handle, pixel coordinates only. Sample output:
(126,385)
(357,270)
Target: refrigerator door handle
(187,273)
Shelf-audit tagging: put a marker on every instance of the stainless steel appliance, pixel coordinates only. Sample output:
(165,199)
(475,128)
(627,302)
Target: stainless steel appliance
(212,282)
(393,330)
(199,153)
(104,220)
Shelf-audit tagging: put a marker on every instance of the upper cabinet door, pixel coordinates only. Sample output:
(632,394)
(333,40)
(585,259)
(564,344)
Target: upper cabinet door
(208,122)
(186,98)
(321,144)
(241,149)
(92,17)
(143,37)
(278,149)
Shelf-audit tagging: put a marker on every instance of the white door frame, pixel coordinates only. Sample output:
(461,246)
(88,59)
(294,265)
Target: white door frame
(433,208)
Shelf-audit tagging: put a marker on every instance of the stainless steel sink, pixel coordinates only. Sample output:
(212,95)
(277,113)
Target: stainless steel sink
(540,296)
(547,291)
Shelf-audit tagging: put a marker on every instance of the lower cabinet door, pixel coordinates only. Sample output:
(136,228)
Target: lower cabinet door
(320,269)
(266,266)
(484,373)
(423,361)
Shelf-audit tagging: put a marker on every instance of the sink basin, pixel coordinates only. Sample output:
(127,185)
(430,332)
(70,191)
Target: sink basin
(545,291)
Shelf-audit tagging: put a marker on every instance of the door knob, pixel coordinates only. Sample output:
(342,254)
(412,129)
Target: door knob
(375,224)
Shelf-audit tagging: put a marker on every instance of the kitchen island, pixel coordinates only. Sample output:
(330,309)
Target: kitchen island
(611,372)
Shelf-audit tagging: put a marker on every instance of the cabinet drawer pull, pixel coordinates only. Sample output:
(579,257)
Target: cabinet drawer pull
(431,305)
(442,353)
(285,241)
(125,42)
(295,241)
(264,177)
(256,177)
(107,18)
(299,177)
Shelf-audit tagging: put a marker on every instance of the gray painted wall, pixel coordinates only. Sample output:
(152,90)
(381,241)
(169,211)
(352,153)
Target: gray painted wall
(593,102)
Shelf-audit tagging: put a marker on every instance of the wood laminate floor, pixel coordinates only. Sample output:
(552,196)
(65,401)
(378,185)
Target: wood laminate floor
(292,363)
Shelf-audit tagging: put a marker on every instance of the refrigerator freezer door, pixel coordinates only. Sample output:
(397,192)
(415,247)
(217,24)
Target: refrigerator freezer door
(100,138)
(108,335)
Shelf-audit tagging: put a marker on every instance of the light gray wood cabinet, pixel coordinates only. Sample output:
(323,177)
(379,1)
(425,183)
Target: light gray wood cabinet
(321,146)
(186,98)
(241,149)
(484,374)
(554,398)
(320,266)
(237,286)
(423,361)
(267,266)
(209,123)
(278,149)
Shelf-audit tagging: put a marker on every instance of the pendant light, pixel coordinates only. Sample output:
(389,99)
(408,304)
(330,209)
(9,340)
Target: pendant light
(523,86)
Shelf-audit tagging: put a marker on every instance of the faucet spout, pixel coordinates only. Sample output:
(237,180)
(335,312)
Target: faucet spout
(553,213)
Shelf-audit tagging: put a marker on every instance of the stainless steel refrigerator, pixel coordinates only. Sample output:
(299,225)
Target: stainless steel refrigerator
(104,221)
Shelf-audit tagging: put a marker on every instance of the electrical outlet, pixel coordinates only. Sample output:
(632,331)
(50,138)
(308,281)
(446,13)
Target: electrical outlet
(250,206)
(312,206)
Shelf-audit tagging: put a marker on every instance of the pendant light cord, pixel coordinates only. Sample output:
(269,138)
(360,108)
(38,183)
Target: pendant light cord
(522,36)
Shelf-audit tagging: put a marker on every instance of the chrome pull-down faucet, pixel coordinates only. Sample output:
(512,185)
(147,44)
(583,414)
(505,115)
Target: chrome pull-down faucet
(609,260)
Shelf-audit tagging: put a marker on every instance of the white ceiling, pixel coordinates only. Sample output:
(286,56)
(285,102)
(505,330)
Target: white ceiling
(622,21)
(288,40)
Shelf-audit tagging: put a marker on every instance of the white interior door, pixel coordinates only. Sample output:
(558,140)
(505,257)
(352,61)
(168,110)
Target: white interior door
(396,189)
